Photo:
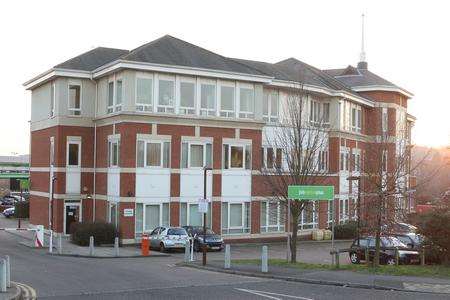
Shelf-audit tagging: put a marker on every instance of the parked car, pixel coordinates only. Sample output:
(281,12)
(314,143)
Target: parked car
(213,241)
(9,212)
(6,202)
(399,227)
(412,240)
(164,238)
(389,245)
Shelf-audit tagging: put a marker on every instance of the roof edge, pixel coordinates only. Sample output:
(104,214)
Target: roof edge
(52,73)
(387,88)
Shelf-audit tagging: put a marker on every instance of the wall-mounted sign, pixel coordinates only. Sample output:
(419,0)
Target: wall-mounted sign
(203,206)
(128,212)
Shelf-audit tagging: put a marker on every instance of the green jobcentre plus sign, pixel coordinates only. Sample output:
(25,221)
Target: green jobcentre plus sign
(311,192)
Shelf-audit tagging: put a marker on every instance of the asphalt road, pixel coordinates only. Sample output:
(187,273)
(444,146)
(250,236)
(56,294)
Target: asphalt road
(64,278)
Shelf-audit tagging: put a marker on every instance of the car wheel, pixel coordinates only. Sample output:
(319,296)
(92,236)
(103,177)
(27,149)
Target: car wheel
(162,248)
(354,258)
(390,261)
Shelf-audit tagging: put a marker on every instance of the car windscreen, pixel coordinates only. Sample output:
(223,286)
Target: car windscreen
(392,242)
(199,231)
(176,231)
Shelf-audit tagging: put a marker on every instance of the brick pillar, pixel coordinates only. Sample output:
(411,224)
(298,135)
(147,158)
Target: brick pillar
(255,217)
(216,216)
(126,224)
(175,213)
(323,217)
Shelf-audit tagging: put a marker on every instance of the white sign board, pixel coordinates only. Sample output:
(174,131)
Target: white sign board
(128,212)
(203,206)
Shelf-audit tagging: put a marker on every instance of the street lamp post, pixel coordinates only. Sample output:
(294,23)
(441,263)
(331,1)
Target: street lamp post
(205,169)
(50,249)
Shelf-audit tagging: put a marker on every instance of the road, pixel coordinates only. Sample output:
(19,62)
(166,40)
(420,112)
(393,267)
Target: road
(157,278)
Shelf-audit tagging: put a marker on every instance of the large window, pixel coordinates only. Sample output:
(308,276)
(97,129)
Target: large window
(343,210)
(351,116)
(344,159)
(227,101)
(189,215)
(208,99)
(144,94)
(154,154)
(166,96)
(73,154)
(309,216)
(323,160)
(384,120)
(114,95)
(356,159)
(235,217)
(187,98)
(319,113)
(75,99)
(237,156)
(196,155)
(271,158)
(150,216)
(246,103)
(270,106)
(272,216)
(113,153)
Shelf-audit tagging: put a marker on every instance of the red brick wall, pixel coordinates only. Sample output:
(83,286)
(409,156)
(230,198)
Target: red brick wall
(126,224)
(255,211)
(39,210)
(216,216)
(175,213)
(100,210)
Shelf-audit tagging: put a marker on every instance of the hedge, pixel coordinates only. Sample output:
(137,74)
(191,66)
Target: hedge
(103,233)
(347,230)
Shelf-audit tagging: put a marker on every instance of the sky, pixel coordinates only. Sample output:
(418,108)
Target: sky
(407,43)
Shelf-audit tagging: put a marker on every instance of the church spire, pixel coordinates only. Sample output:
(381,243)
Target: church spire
(362,57)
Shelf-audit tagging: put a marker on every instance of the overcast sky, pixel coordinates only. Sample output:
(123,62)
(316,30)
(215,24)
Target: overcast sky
(407,42)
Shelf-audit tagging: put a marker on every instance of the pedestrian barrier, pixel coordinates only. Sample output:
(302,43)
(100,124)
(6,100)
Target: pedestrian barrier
(227,263)
(38,234)
(5,273)
(91,246)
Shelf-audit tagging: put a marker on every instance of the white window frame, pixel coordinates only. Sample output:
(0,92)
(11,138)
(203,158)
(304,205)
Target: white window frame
(53,99)
(184,110)
(344,154)
(197,143)
(245,114)
(113,140)
(161,205)
(280,226)
(225,112)
(315,217)
(208,112)
(188,214)
(115,107)
(264,155)
(144,107)
(345,211)
(384,120)
(356,159)
(76,141)
(166,109)
(52,151)
(75,112)
(154,141)
(242,228)
(271,118)
(323,159)
(243,146)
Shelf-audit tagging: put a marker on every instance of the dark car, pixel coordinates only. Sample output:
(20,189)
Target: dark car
(389,245)
(213,240)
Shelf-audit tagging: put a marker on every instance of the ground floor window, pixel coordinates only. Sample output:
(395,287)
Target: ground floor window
(343,210)
(150,216)
(235,217)
(330,212)
(273,216)
(113,216)
(309,216)
(189,215)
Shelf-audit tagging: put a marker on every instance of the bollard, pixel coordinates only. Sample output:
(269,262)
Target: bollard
(336,254)
(397,258)
(366,255)
(422,257)
(60,243)
(91,246)
(116,246)
(264,260)
(2,275)
(39,236)
(187,254)
(227,257)
(145,247)
(50,242)
(8,271)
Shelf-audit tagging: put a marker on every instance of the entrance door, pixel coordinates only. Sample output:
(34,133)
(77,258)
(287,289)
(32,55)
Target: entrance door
(72,215)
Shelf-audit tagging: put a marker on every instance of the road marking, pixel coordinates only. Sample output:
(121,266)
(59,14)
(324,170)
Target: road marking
(269,294)
(27,291)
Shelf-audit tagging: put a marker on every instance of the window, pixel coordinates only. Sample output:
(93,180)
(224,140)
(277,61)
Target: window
(187,98)
(323,160)
(272,216)
(144,94)
(356,118)
(308,217)
(237,156)
(344,159)
(75,99)
(52,99)
(150,216)
(52,151)
(247,103)
(196,155)
(270,106)
(227,101)
(351,116)
(329,212)
(384,160)
(271,159)
(235,217)
(343,210)
(113,154)
(189,215)
(114,95)
(73,154)
(319,113)
(356,159)
(384,120)
(208,100)
(166,96)
(153,154)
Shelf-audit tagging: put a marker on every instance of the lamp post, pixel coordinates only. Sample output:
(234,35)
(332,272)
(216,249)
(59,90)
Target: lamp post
(358,205)
(205,169)
(50,225)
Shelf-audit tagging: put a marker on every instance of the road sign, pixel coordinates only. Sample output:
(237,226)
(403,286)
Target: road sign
(203,206)
(311,192)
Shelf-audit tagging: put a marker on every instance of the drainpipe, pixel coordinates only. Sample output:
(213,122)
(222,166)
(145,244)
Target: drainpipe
(95,151)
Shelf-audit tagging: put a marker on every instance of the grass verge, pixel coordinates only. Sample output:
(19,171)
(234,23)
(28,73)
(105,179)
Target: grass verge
(402,270)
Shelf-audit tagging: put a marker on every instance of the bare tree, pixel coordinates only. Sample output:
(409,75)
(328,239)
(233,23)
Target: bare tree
(297,155)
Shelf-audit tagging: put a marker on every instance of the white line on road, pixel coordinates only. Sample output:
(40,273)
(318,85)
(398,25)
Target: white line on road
(268,294)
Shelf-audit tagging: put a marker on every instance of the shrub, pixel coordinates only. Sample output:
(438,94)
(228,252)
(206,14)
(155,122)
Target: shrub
(22,209)
(347,230)
(103,233)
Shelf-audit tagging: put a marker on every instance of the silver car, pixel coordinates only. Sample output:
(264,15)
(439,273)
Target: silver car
(164,238)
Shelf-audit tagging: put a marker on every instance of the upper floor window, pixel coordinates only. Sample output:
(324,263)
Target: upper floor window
(270,106)
(319,113)
(52,99)
(151,153)
(144,94)
(323,160)
(114,95)
(208,99)
(113,153)
(356,118)
(187,97)
(351,116)
(384,160)
(271,158)
(196,155)
(166,95)
(75,99)
(73,152)
(384,120)
(247,103)
(237,156)
(344,159)
(356,158)
(227,101)
(52,151)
